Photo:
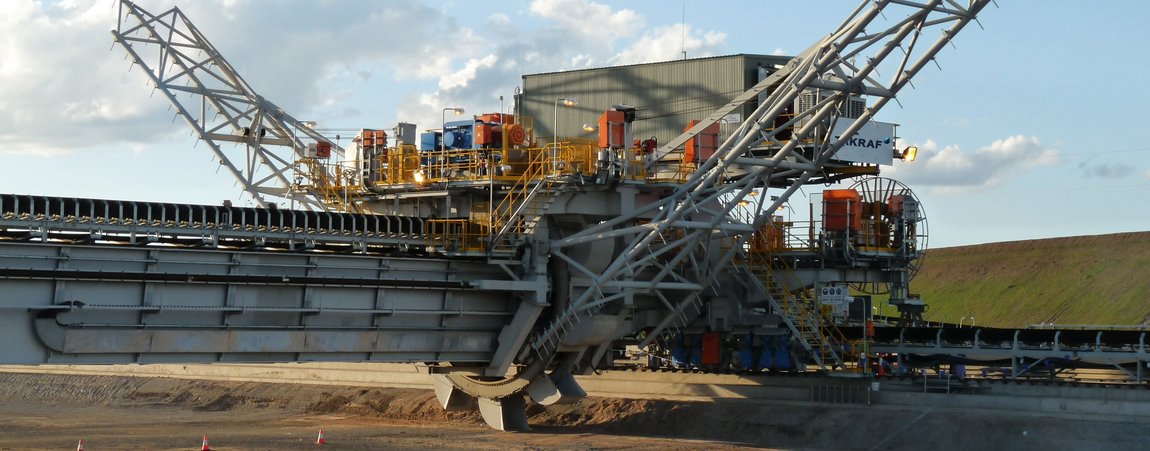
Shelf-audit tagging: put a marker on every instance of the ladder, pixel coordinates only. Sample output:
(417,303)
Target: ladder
(546,344)
(333,194)
(520,211)
(799,310)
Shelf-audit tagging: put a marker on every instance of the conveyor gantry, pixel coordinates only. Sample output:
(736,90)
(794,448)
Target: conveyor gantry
(91,220)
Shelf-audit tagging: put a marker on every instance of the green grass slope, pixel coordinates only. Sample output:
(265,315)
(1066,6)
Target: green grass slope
(1103,279)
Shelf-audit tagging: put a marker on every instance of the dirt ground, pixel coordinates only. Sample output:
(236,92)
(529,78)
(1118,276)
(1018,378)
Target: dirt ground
(55,411)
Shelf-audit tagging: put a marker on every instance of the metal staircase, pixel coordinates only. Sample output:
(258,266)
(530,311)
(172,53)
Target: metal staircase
(328,187)
(799,310)
(520,211)
(546,344)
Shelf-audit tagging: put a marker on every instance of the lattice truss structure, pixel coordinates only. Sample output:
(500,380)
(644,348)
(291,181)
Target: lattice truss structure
(670,243)
(254,139)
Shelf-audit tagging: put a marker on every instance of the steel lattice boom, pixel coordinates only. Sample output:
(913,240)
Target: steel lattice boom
(677,243)
(220,106)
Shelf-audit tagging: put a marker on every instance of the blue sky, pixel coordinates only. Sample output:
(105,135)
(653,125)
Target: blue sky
(1033,128)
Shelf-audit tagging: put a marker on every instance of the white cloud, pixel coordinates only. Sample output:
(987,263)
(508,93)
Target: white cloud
(14,12)
(951,167)
(65,88)
(467,73)
(289,49)
(668,43)
(60,87)
(561,41)
(576,15)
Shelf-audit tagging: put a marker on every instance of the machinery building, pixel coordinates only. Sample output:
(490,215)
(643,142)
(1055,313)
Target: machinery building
(667,95)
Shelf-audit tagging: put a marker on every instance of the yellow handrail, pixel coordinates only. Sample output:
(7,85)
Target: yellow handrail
(456,235)
(531,170)
(813,324)
(330,185)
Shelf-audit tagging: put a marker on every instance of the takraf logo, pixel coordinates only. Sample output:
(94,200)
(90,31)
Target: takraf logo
(871,143)
(867,143)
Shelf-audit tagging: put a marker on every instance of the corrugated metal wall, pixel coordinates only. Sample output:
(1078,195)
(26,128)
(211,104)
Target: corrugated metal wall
(668,95)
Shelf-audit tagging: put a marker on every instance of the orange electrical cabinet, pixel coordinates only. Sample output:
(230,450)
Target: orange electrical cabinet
(773,231)
(372,138)
(496,118)
(485,135)
(894,204)
(712,349)
(842,209)
(611,130)
(703,145)
(323,149)
(769,238)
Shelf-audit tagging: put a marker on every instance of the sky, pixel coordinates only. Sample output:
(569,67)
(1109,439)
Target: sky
(1030,126)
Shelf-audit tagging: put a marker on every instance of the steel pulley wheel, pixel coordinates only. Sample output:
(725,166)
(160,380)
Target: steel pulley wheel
(894,223)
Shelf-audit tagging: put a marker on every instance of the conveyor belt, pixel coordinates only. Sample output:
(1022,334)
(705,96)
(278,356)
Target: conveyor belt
(1021,350)
(78,219)
(992,337)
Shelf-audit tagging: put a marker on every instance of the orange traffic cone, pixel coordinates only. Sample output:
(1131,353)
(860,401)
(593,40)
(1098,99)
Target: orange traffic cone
(205,446)
(320,440)
(80,446)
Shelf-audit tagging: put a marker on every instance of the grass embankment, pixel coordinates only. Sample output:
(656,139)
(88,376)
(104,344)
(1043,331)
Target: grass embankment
(1102,279)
